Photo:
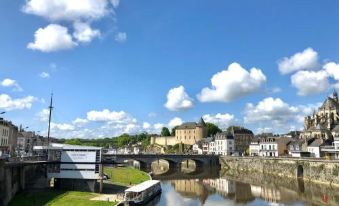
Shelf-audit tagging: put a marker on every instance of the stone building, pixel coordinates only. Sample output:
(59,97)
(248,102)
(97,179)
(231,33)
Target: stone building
(242,138)
(188,133)
(191,132)
(273,146)
(8,136)
(324,123)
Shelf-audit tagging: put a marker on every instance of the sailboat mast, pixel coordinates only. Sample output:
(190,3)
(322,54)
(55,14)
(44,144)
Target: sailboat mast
(49,119)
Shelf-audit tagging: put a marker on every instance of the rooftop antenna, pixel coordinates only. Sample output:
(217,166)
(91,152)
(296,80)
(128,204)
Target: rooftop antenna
(49,118)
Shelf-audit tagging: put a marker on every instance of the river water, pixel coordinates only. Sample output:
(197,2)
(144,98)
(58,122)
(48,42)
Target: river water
(241,189)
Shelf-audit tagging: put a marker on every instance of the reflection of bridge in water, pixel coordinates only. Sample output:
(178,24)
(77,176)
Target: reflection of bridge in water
(199,173)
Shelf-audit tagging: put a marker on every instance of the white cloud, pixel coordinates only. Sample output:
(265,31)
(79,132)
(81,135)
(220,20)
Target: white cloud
(115,3)
(232,83)
(44,75)
(146,125)
(305,60)
(8,104)
(62,126)
(158,126)
(120,37)
(175,122)
(222,120)
(69,10)
(84,33)
(310,82)
(276,114)
(80,122)
(178,99)
(43,115)
(11,83)
(110,116)
(54,37)
(332,69)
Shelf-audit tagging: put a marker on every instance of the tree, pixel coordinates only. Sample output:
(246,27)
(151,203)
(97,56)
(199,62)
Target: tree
(165,132)
(212,129)
(173,131)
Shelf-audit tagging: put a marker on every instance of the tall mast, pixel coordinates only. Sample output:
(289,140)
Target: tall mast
(50,117)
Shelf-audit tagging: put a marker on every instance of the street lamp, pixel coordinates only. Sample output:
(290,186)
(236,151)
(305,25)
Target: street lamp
(2,112)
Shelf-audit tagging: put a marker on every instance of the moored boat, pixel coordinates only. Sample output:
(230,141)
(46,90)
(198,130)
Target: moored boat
(142,193)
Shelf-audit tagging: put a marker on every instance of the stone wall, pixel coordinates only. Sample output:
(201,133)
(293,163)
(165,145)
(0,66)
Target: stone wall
(318,171)
(164,141)
(17,177)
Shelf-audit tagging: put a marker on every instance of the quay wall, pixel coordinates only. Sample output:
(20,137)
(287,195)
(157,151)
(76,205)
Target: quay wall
(313,170)
(17,177)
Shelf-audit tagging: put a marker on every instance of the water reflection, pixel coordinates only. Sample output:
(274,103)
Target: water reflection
(248,189)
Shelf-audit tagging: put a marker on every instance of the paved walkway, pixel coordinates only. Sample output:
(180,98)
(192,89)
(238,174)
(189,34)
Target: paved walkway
(109,197)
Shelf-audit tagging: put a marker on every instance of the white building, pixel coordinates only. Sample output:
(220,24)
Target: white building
(224,143)
(197,148)
(76,165)
(211,148)
(254,148)
(273,146)
(314,148)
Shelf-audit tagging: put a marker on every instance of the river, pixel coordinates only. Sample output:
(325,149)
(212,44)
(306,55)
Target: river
(245,189)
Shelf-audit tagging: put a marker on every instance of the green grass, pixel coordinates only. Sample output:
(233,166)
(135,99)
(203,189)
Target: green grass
(125,175)
(57,198)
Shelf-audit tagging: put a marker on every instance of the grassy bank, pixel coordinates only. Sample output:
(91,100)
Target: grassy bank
(57,198)
(125,175)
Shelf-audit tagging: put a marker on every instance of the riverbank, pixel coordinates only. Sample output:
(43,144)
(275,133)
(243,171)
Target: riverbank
(119,179)
(58,198)
(313,170)
(125,176)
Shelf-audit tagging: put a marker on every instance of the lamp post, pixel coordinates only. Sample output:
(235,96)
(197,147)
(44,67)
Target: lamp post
(2,112)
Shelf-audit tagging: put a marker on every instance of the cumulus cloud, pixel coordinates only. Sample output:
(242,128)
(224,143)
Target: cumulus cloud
(232,83)
(175,122)
(222,120)
(332,69)
(62,126)
(69,10)
(44,75)
(80,122)
(310,82)
(80,13)
(84,33)
(109,116)
(146,125)
(8,103)
(11,83)
(54,37)
(158,126)
(43,115)
(305,60)
(120,37)
(275,113)
(115,3)
(178,99)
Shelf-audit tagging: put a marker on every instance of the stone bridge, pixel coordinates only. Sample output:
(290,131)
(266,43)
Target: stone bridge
(174,160)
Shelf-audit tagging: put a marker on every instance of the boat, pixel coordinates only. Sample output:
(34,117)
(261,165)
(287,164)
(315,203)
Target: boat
(142,193)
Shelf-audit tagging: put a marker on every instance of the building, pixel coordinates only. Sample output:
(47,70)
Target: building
(70,176)
(298,148)
(273,146)
(314,147)
(211,148)
(191,132)
(254,147)
(26,140)
(188,133)
(324,123)
(8,136)
(224,143)
(202,146)
(242,138)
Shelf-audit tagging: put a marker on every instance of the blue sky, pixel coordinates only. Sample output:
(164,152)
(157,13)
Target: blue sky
(131,66)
